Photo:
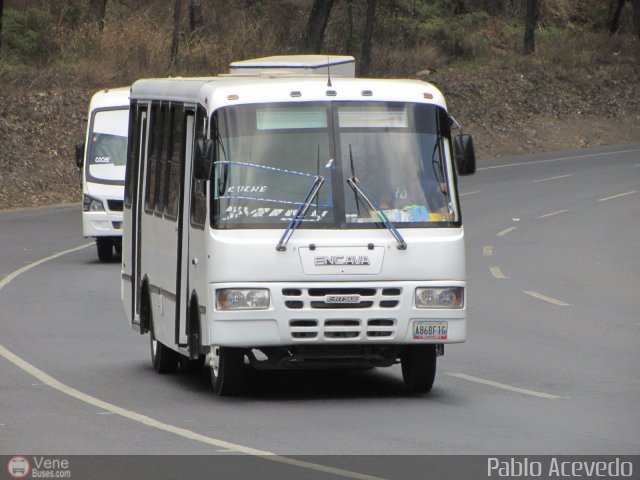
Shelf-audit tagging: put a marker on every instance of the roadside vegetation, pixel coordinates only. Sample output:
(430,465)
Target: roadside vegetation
(579,85)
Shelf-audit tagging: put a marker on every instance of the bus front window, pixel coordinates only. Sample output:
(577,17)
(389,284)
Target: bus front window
(107,152)
(268,157)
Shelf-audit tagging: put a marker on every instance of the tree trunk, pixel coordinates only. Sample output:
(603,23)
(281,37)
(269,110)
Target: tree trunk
(531,19)
(1,15)
(493,7)
(176,31)
(349,48)
(195,15)
(318,19)
(365,57)
(636,17)
(614,25)
(97,9)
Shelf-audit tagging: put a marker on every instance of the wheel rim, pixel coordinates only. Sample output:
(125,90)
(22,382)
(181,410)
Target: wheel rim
(214,360)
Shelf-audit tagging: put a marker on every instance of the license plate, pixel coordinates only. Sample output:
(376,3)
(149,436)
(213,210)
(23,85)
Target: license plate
(428,330)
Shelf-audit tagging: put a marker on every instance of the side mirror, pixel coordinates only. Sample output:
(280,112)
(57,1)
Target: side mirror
(464,154)
(203,162)
(79,154)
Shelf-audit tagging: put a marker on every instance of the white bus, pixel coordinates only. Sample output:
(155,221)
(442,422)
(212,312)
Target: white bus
(282,216)
(102,158)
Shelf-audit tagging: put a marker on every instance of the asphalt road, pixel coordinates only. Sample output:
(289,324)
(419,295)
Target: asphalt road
(551,365)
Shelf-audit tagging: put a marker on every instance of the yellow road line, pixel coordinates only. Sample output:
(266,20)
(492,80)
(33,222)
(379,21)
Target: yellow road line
(107,407)
(559,159)
(553,178)
(497,273)
(506,231)
(504,386)
(617,196)
(546,298)
(552,214)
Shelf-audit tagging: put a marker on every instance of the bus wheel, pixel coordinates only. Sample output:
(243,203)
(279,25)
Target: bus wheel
(164,359)
(227,370)
(105,248)
(419,368)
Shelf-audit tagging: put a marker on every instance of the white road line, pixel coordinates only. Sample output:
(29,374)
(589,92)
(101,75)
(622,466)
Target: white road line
(497,273)
(552,214)
(553,178)
(546,298)
(559,159)
(506,231)
(5,281)
(469,193)
(487,251)
(107,407)
(617,196)
(504,386)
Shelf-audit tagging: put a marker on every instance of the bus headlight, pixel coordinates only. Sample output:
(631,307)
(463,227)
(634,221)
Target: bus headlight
(90,204)
(242,299)
(449,297)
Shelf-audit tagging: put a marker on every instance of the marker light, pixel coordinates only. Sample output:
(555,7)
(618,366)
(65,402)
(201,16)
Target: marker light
(448,297)
(242,299)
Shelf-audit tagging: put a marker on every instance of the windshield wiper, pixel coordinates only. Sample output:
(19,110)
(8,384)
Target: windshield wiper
(302,211)
(359,189)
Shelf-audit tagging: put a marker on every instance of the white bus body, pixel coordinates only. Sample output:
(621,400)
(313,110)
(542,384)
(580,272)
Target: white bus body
(215,262)
(102,158)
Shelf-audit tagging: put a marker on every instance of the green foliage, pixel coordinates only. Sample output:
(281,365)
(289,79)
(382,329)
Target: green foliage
(25,33)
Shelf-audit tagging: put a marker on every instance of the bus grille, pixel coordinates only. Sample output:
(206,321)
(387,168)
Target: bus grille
(337,329)
(341,298)
(115,205)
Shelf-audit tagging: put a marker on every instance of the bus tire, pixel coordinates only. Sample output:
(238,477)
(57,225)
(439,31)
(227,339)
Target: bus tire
(227,370)
(105,248)
(419,368)
(163,359)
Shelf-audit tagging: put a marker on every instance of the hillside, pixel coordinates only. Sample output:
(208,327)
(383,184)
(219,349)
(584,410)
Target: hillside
(581,87)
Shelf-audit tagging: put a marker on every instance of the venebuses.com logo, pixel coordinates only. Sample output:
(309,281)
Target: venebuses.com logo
(18,467)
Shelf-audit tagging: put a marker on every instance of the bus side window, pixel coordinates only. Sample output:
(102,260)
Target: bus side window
(132,157)
(155,125)
(199,187)
(162,158)
(176,160)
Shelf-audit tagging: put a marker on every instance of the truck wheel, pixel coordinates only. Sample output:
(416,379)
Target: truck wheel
(419,368)
(227,370)
(105,248)
(164,359)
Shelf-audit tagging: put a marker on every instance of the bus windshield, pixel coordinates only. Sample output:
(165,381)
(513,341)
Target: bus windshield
(270,155)
(107,152)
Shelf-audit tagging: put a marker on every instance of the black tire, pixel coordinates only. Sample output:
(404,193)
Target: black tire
(105,248)
(419,368)
(163,359)
(227,370)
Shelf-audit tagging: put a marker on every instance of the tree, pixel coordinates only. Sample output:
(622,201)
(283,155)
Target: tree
(176,31)
(365,57)
(195,15)
(316,25)
(97,9)
(1,12)
(636,17)
(531,19)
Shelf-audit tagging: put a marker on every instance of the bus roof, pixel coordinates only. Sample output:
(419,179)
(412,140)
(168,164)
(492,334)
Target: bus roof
(216,92)
(110,98)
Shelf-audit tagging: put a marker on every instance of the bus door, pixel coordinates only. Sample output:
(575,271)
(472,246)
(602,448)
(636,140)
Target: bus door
(182,251)
(141,132)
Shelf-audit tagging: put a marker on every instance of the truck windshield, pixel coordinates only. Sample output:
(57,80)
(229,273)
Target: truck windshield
(107,152)
(269,156)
